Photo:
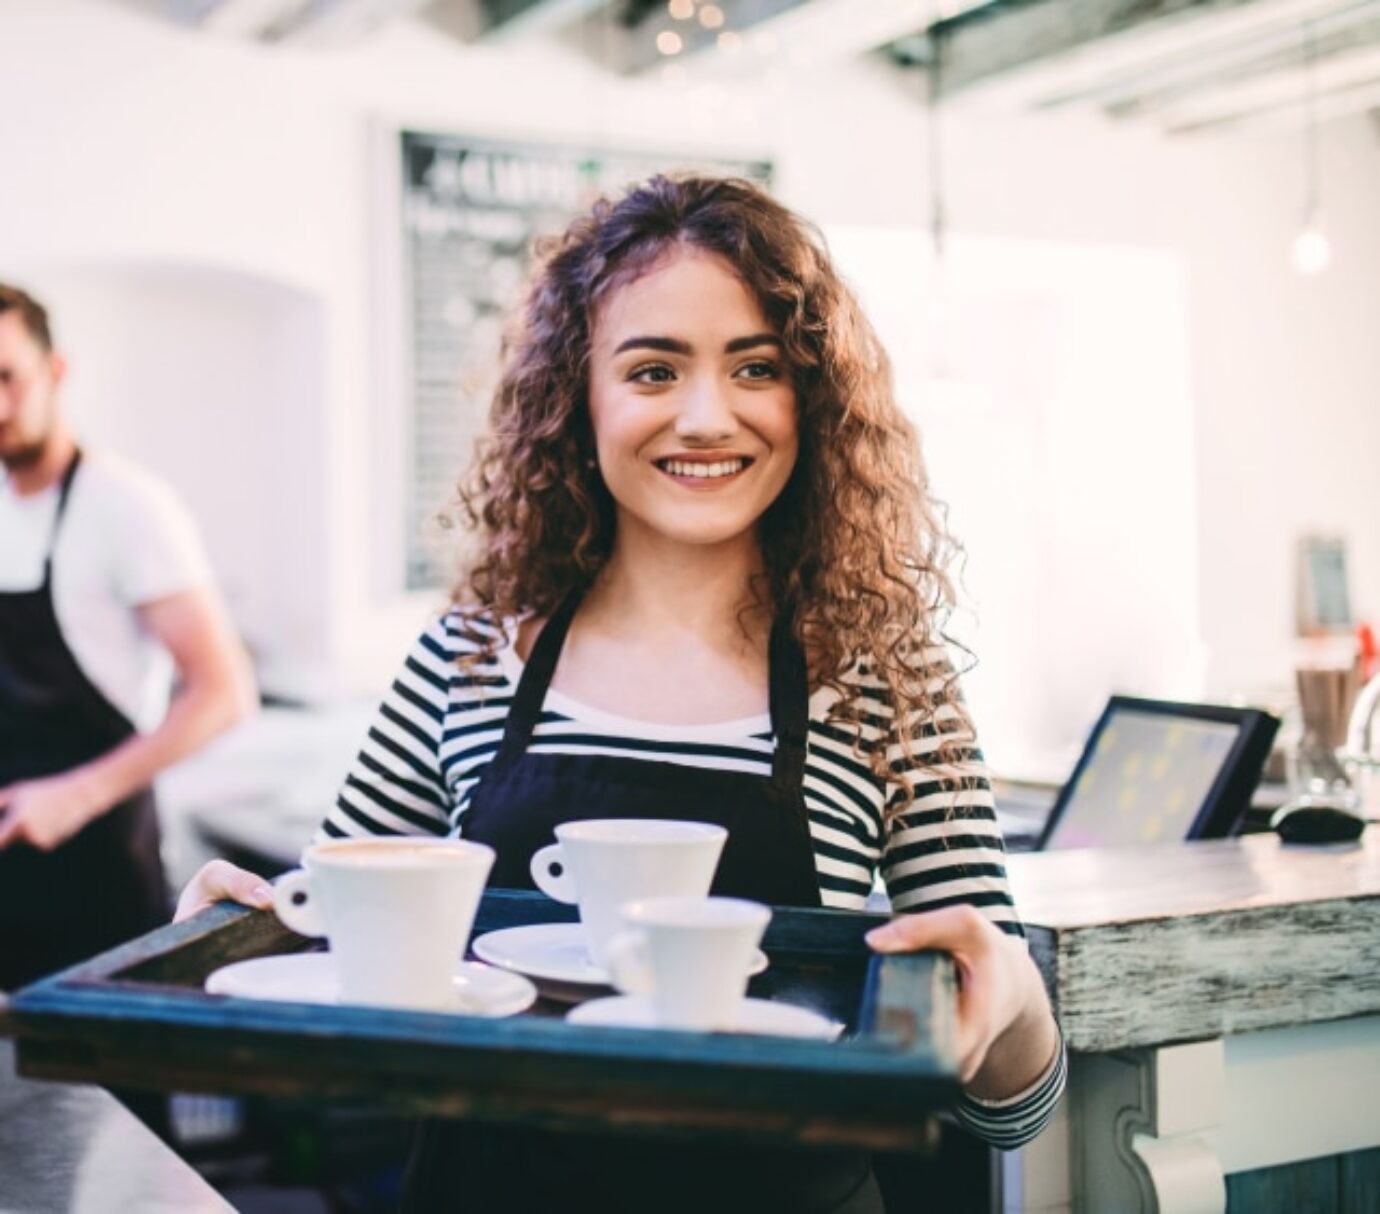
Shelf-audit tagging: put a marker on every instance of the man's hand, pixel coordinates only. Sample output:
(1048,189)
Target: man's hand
(46,812)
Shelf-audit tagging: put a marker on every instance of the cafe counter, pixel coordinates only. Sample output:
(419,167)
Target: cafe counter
(1221,1003)
(75,1148)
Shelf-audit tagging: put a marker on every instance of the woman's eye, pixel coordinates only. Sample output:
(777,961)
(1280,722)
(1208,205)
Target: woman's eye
(759,369)
(652,373)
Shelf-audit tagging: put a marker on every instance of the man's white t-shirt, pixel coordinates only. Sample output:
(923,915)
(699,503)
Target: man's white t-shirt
(125,540)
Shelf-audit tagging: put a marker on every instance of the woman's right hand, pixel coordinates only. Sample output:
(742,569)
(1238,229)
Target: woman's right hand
(218,880)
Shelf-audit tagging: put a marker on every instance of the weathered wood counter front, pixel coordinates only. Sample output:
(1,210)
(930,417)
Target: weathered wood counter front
(1222,1003)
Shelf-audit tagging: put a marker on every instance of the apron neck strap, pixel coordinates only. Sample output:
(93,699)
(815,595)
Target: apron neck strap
(64,489)
(536,678)
(789,696)
(790,709)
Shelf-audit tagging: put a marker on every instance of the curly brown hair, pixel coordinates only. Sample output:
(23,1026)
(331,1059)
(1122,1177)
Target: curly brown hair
(854,548)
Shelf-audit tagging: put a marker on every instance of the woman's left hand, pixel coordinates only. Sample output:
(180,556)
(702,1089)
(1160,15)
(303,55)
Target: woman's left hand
(1006,1032)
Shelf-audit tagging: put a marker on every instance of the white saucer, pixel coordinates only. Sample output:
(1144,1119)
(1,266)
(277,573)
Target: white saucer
(311,978)
(554,952)
(755,1016)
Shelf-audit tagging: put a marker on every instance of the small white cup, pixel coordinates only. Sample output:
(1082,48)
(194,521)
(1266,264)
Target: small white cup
(692,956)
(605,862)
(397,912)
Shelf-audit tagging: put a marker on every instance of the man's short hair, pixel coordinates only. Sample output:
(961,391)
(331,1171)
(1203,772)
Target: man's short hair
(32,314)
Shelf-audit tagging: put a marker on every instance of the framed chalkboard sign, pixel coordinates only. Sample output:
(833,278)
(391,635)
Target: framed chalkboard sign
(470,210)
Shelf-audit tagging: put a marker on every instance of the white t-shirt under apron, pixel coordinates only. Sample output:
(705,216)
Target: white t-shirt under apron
(125,540)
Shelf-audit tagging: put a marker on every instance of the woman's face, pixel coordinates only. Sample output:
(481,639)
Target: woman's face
(692,402)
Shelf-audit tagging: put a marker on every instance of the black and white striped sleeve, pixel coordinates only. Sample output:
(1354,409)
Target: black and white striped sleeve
(395,785)
(1011,1123)
(945,847)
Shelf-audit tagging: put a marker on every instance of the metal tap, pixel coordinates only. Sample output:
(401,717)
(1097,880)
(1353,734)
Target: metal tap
(1362,752)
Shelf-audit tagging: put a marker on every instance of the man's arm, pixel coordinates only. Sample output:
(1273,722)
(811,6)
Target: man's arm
(216,690)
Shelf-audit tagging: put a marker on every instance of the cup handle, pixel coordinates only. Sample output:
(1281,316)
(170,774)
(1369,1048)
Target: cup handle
(560,886)
(292,904)
(628,965)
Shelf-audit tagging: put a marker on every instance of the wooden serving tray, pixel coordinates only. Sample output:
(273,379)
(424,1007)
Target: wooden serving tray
(137,1017)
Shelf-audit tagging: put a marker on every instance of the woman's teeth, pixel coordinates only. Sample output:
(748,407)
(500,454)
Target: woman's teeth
(724,468)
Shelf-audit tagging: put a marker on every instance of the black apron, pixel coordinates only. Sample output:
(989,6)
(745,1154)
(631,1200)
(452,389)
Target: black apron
(105,884)
(768,856)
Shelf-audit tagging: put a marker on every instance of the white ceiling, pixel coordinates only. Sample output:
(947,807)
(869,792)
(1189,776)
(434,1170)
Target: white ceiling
(1184,65)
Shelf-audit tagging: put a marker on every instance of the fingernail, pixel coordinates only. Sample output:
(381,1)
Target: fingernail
(263,893)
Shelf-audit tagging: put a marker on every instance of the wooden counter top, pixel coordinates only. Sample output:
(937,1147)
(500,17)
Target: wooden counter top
(1120,885)
(1146,946)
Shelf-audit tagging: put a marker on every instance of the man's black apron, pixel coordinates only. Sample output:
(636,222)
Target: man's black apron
(768,856)
(105,884)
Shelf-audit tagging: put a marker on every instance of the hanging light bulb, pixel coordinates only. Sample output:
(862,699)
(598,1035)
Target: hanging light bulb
(1311,251)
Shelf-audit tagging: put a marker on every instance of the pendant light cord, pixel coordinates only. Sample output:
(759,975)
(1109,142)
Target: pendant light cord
(935,150)
(1310,120)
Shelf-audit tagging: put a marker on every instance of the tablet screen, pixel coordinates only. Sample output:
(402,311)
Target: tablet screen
(1146,779)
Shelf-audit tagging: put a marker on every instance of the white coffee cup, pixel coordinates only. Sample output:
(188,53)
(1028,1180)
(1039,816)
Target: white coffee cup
(691,956)
(601,863)
(397,912)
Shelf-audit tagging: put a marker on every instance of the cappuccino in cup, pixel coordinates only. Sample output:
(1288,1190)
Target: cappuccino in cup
(397,913)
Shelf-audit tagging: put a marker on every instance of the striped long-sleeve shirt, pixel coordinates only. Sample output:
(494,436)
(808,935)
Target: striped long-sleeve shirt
(440,726)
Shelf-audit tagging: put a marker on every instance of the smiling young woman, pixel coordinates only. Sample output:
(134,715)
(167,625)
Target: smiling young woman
(708,583)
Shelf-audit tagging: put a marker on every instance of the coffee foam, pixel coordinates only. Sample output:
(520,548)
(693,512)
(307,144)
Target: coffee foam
(378,853)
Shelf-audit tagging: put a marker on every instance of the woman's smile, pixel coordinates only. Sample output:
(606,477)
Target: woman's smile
(698,472)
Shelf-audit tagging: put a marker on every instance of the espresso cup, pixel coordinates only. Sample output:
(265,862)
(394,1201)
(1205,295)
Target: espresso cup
(601,863)
(691,956)
(397,913)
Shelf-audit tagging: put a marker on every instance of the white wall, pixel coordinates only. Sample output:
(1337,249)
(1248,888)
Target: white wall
(1286,370)
(1063,602)
(218,378)
(127,140)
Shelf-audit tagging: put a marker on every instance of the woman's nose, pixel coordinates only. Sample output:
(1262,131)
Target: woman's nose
(706,412)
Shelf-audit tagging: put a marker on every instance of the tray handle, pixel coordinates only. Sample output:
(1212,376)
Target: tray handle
(910,1004)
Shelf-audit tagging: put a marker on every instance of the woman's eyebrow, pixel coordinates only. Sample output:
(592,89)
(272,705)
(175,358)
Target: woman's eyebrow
(668,345)
(672,345)
(739,344)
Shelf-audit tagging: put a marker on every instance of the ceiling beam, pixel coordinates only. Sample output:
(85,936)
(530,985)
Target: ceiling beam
(998,38)
(1229,57)
(506,21)
(1099,49)
(1343,82)
(1341,103)
(773,32)
(305,22)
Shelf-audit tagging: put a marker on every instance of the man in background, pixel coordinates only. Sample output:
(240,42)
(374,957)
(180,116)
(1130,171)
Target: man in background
(104,591)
